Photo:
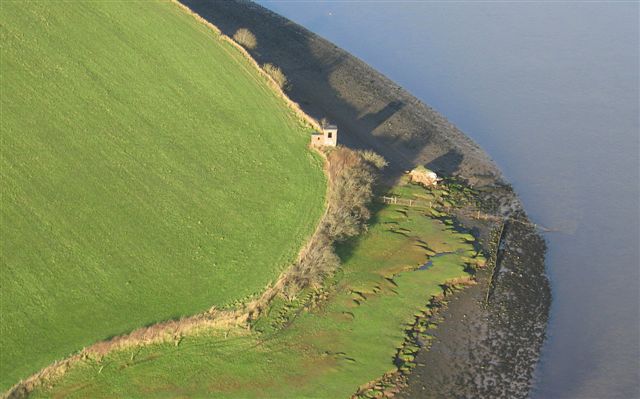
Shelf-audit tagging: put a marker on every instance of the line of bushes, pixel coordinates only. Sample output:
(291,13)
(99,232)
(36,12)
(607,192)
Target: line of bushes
(352,175)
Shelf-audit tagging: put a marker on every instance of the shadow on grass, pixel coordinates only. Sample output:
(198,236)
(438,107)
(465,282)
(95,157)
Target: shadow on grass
(345,249)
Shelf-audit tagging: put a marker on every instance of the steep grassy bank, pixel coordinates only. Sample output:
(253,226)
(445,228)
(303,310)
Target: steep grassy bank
(148,172)
(323,344)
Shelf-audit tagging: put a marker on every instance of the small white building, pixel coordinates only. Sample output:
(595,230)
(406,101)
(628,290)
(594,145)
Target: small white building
(328,136)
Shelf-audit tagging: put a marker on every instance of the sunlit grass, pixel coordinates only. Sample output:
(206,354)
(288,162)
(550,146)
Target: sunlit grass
(350,338)
(147,172)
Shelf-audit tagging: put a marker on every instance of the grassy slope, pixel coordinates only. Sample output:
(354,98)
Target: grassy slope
(147,172)
(326,353)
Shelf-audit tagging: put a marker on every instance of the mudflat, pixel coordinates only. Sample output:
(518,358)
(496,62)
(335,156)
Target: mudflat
(502,320)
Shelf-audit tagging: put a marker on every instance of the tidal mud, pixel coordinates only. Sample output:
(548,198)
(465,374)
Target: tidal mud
(486,345)
(489,335)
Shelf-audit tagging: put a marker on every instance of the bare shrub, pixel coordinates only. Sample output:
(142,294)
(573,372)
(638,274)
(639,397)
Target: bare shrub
(245,38)
(374,158)
(352,177)
(276,74)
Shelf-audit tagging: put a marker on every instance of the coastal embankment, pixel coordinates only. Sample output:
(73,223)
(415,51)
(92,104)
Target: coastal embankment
(371,111)
(487,345)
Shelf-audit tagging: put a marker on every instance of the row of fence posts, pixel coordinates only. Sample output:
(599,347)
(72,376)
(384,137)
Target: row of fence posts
(404,201)
(410,202)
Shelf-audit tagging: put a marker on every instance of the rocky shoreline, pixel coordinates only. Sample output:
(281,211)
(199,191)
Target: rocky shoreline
(486,346)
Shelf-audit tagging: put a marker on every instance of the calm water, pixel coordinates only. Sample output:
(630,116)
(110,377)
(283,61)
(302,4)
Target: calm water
(550,91)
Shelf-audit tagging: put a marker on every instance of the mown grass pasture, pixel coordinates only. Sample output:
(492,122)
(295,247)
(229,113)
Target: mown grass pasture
(348,339)
(147,170)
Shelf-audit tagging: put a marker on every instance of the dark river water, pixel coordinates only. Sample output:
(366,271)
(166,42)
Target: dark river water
(550,91)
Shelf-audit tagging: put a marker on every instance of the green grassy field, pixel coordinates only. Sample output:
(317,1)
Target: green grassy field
(350,338)
(147,172)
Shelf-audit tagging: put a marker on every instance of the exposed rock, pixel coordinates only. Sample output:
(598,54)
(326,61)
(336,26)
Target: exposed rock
(424,176)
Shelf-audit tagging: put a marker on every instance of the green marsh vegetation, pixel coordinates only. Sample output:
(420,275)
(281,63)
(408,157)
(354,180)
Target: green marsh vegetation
(325,343)
(147,171)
